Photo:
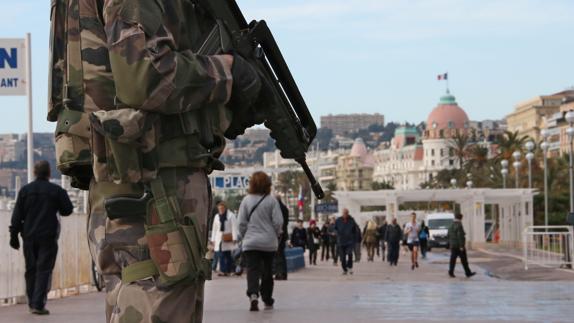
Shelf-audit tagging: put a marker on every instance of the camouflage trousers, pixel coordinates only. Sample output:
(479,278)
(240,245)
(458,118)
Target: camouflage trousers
(115,244)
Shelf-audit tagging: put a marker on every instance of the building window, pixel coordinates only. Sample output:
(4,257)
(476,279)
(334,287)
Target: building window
(432,162)
(432,152)
(450,125)
(441,152)
(451,162)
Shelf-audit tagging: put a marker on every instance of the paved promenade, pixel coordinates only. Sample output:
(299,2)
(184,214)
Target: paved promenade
(375,293)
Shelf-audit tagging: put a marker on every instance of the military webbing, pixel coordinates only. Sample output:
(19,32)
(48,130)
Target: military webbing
(73,77)
(161,202)
(147,268)
(139,270)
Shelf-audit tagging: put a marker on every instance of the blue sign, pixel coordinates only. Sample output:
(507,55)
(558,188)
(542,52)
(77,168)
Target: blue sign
(230,182)
(9,58)
(13,67)
(327,208)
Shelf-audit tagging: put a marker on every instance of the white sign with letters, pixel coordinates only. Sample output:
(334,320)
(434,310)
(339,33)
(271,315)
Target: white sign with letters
(13,67)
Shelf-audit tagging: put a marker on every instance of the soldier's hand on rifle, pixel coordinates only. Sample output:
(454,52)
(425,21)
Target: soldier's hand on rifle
(246,84)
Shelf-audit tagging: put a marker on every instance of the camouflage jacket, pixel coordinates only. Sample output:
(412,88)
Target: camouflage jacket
(139,56)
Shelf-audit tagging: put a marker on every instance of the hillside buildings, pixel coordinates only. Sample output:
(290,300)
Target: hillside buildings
(345,123)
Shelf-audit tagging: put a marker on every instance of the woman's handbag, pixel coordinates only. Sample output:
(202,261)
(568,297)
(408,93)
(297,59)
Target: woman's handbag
(227,237)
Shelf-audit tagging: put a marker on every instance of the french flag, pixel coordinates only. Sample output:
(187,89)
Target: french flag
(442,77)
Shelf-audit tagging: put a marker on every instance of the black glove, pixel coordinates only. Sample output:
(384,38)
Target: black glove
(14,242)
(246,84)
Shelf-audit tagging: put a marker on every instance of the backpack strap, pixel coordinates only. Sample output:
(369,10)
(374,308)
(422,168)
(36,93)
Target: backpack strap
(253,209)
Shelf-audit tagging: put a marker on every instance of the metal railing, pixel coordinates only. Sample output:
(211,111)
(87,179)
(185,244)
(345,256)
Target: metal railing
(72,272)
(548,246)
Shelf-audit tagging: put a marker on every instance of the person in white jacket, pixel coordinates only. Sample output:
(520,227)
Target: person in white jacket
(224,238)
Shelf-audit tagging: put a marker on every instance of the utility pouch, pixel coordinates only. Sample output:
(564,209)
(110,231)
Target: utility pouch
(175,241)
(73,156)
(124,146)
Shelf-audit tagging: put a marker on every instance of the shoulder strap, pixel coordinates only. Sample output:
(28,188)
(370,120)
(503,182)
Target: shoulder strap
(253,209)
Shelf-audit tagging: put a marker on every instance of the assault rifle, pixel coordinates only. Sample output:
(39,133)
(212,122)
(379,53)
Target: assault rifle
(285,113)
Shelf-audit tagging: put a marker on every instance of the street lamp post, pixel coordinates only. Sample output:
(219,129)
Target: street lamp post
(517,154)
(570,132)
(544,146)
(529,157)
(504,171)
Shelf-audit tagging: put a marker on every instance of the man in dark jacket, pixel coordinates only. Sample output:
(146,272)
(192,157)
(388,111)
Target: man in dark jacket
(299,236)
(35,219)
(382,232)
(346,229)
(333,241)
(280,260)
(393,237)
(457,242)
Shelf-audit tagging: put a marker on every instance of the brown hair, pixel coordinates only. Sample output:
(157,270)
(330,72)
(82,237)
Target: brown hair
(259,183)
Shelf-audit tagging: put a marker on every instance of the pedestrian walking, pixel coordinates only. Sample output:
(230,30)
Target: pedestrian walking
(260,224)
(313,241)
(35,219)
(346,229)
(457,243)
(370,239)
(299,236)
(404,244)
(333,241)
(280,259)
(393,237)
(224,238)
(382,232)
(325,242)
(412,230)
(358,243)
(423,239)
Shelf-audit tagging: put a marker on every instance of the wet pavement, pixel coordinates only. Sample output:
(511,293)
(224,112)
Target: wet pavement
(375,293)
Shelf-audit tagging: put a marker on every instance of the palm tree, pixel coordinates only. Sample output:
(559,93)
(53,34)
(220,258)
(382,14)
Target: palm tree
(459,145)
(510,142)
(477,156)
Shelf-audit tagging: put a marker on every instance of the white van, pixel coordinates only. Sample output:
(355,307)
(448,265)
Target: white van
(438,224)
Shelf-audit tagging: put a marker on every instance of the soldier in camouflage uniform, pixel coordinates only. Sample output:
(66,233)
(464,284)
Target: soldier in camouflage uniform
(141,111)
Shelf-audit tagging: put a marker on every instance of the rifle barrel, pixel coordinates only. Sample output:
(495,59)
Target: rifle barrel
(315,186)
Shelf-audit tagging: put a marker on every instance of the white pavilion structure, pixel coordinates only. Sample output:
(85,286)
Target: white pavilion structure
(512,208)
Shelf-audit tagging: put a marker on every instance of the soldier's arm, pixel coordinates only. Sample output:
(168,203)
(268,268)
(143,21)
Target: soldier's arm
(150,73)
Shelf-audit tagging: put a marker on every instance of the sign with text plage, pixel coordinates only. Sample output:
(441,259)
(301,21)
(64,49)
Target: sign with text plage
(13,67)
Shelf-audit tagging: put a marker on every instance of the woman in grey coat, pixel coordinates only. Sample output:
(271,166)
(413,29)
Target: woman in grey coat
(260,222)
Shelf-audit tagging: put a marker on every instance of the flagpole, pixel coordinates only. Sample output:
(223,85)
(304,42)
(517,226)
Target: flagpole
(30,143)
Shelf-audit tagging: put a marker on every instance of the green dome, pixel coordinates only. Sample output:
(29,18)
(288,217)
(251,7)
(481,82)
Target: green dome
(447,99)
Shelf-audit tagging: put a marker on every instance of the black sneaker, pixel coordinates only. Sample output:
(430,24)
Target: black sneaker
(470,275)
(41,311)
(254,304)
(451,275)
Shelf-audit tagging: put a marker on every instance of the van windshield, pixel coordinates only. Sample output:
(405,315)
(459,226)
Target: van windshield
(439,223)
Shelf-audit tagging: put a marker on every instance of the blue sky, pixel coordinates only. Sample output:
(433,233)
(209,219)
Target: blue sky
(378,55)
